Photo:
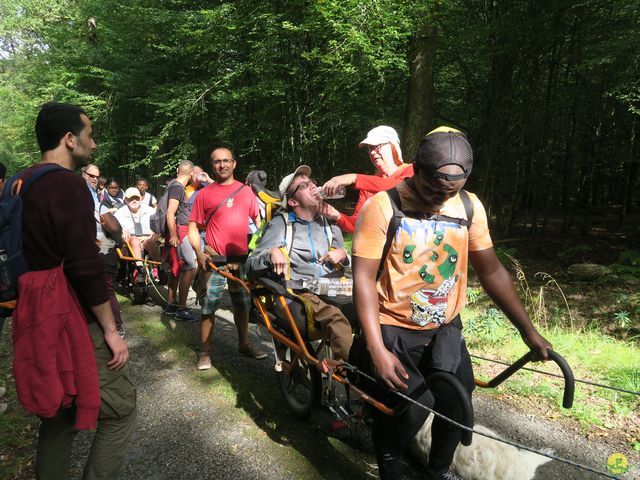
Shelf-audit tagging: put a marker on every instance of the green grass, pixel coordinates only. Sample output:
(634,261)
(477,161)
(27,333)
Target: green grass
(592,356)
(18,429)
(348,242)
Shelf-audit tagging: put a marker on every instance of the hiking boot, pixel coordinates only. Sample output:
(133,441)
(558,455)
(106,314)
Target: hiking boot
(250,351)
(449,474)
(204,361)
(186,315)
(170,310)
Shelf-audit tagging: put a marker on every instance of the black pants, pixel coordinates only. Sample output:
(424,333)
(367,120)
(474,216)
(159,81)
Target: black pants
(392,434)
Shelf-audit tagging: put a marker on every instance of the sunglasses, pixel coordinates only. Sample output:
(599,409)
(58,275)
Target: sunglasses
(91,176)
(304,186)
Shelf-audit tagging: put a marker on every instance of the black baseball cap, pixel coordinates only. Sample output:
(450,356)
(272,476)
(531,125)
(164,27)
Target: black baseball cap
(445,146)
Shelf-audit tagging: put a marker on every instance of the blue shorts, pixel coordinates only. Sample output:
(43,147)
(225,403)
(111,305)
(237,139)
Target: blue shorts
(215,286)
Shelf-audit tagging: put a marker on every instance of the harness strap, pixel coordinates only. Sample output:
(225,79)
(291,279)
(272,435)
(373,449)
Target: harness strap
(288,240)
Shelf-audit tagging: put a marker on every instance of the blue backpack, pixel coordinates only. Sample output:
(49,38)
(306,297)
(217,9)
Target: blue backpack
(12,260)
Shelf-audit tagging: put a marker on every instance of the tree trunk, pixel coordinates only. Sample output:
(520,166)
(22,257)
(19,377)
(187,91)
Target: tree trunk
(418,117)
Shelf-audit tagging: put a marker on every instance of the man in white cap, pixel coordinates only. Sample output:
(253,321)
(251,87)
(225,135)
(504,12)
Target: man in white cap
(383,146)
(134,220)
(301,246)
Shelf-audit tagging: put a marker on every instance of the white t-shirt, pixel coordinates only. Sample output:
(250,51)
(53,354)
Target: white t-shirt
(128,219)
(149,200)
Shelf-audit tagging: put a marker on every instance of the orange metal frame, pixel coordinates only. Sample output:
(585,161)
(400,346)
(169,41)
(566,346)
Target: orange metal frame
(299,346)
(129,258)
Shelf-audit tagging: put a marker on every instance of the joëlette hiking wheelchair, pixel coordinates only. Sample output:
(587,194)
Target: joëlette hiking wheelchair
(305,380)
(138,278)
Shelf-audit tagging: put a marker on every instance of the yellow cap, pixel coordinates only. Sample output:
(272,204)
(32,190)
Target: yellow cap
(444,129)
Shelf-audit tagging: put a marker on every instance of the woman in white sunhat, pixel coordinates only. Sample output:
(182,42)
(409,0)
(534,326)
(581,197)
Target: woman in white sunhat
(383,146)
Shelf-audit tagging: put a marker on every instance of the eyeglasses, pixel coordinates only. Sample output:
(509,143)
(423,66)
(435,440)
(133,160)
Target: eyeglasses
(303,186)
(91,175)
(376,148)
(223,161)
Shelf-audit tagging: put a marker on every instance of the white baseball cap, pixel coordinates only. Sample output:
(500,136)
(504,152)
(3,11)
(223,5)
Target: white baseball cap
(286,181)
(380,135)
(132,192)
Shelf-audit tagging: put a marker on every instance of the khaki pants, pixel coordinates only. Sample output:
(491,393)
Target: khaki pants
(116,421)
(333,324)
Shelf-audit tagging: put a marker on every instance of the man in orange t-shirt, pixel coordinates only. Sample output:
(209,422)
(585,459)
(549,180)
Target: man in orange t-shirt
(410,314)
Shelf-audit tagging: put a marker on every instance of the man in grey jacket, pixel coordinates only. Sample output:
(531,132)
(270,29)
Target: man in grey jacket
(301,246)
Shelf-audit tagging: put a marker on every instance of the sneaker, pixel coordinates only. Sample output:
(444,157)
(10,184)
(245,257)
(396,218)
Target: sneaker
(186,315)
(170,310)
(330,424)
(441,475)
(253,352)
(139,276)
(204,361)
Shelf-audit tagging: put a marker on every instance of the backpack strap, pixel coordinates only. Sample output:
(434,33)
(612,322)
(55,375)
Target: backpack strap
(235,192)
(394,223)
(398,214)
(289,223)
(288,241)
(468,206)
(19,185)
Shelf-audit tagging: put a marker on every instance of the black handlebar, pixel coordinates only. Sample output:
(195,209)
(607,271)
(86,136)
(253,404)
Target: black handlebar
(567,373)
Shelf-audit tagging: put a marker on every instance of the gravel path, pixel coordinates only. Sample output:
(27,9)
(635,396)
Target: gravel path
(229,423)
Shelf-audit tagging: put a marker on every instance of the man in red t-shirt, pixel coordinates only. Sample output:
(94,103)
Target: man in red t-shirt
(223,210)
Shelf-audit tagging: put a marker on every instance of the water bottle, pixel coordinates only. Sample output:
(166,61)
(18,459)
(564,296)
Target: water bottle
(331,287)
(340,193)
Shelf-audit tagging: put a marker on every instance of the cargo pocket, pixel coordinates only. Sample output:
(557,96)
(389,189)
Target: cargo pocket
(118,398)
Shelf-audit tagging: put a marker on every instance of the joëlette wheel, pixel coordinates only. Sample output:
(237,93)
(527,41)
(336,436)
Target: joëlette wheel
(300,383)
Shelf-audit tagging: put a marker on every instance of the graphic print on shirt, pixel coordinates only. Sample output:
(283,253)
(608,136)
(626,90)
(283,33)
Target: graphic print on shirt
(435,260)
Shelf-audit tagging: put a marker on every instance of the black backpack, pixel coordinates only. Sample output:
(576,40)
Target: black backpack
(12,260)
(398,214)
(158,221)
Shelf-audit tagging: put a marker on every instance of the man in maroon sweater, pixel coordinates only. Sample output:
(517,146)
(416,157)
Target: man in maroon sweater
(59,227)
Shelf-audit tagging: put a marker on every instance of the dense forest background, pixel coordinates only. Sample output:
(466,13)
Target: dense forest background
(548,91)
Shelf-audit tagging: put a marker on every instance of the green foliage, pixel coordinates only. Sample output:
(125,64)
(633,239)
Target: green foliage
(544,96)
(505,255)
(473,294)
(489,327)
(577,253)
(630,257)
(622,319)
(625,272)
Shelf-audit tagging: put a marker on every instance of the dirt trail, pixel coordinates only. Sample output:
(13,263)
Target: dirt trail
(229,422)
